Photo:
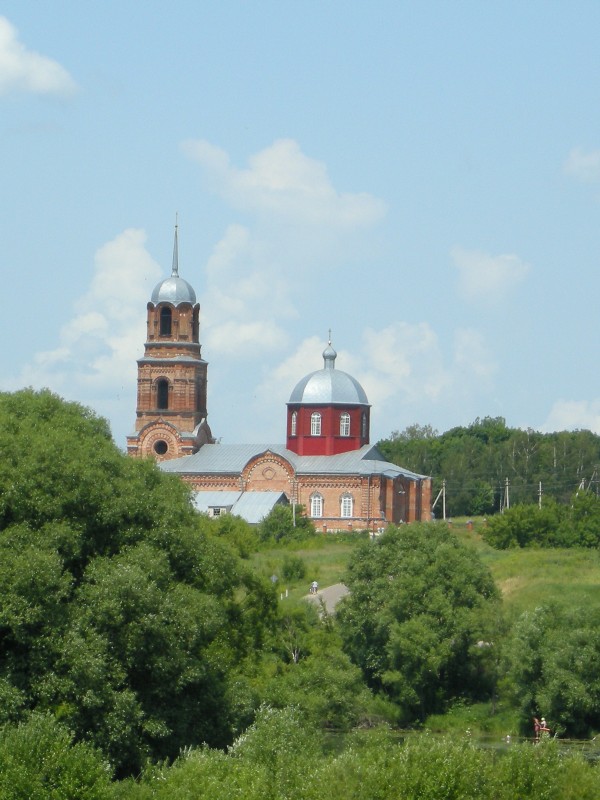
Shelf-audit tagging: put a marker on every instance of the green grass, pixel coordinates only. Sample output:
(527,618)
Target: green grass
(527,578)
(533,577)
(325,557)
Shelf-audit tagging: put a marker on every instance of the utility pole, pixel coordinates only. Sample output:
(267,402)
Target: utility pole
(444,498)
(506,495)
(442,494)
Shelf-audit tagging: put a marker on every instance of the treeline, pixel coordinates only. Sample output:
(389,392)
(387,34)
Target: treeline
(483,461)
(549,525)
(142,655)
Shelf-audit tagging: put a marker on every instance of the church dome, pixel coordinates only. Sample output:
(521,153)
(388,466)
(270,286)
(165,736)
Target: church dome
(173,290)
(329,386)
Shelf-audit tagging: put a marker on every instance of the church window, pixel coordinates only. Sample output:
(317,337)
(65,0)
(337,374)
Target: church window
(162,393)
(160,447)
(316,505)
(347,505)
(315,424)
(293,423)
(166,316)
(345,425)
(363,426)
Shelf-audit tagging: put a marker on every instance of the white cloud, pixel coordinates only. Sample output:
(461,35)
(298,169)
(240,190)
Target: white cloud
(487,278)
(282,182)
(26,71)
(304,229)
(402,363)
(583,166)
(279,381)
(244,339)
(573,415)
(471,356)
(96,358)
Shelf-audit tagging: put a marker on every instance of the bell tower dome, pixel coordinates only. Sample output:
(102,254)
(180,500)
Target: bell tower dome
(171,385)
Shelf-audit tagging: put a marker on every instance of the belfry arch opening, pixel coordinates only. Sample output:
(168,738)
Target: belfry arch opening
(162,394)
(166,321)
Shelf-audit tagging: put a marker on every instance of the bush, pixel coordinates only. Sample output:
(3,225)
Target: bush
(39,761)
(293,568)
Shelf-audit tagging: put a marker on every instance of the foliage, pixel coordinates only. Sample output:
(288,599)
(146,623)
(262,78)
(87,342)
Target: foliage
(286,524)
(551,669)
(313,674)
(476,460)
(120,612)
(524,525)
(552,525)
(280,758)
(237,532)
(420,603)
(40,761)
(293,568)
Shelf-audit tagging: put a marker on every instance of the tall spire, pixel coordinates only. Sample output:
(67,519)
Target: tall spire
(175,270)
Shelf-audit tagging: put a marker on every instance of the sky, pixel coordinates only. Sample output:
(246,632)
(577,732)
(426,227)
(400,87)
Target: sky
(421,178)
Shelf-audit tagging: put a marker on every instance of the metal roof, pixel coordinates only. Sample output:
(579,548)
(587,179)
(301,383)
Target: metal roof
(173,290)
(329,386)
(231,459)
(251,506)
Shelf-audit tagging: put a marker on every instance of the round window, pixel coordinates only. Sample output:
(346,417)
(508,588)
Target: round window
(160,447)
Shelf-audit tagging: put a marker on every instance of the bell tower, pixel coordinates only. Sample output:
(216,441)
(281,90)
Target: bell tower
(171,383)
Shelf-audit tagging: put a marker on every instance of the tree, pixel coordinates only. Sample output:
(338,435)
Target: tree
(121,613)
(475,461)
(284,524)
(551,668)
(39,760)
(420,618)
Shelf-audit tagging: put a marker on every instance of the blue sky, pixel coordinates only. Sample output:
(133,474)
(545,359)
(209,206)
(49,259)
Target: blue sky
(421,177)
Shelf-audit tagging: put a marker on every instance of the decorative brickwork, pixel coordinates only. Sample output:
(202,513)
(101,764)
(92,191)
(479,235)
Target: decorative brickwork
(172,375)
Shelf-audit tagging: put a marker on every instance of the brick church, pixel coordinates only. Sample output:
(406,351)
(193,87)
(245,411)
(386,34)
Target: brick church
(327,463)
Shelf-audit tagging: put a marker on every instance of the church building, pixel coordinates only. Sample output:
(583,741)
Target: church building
(327,463)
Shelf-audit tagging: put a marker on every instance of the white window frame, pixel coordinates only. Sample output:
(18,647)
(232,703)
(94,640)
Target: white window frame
(315,424)
(346,506)
(345,424)
(294,423)
(316,505)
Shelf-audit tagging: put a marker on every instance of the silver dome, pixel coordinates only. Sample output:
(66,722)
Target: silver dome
(329,386)
(173,290)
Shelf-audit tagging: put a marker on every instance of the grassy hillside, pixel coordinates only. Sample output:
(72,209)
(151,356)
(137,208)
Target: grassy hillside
(527,578)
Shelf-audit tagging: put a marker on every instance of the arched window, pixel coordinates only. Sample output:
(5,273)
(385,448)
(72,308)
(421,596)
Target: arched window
(162,393)
(346,505)
(363,425)
(344,424)
(166,316)
(293,423)
(316,505)
(315,424)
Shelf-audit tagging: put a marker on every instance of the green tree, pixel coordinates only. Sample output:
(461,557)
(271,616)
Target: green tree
(121,612)
(420,618)
(551,669)
(40,761)
(285,524)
